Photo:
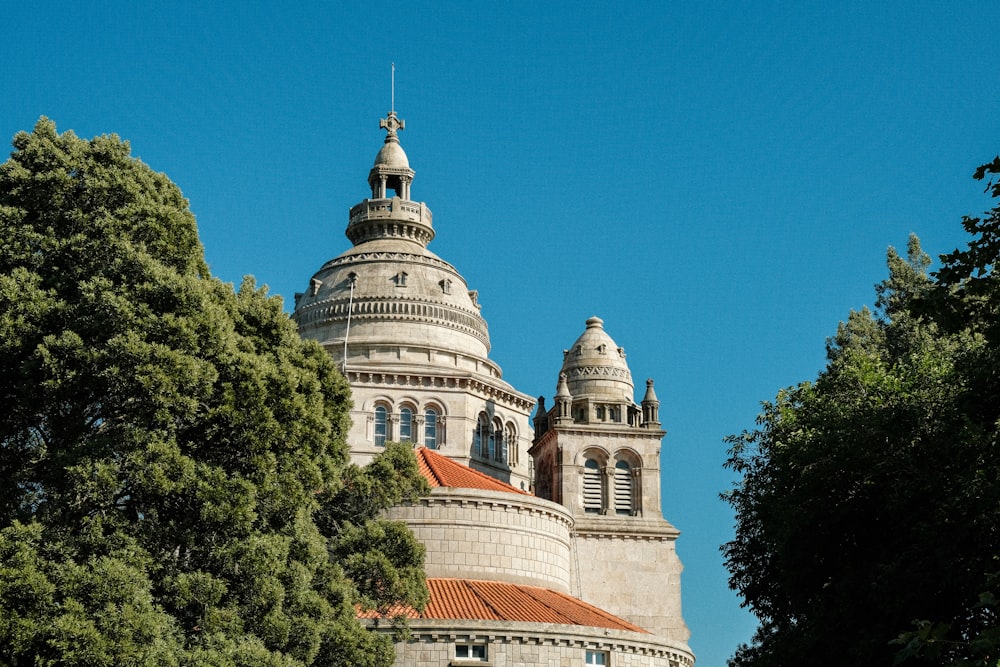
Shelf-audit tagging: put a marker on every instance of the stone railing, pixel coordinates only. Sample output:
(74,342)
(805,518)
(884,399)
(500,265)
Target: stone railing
(390,218)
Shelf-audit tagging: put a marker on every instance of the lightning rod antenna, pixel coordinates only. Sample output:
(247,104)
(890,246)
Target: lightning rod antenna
(393,100)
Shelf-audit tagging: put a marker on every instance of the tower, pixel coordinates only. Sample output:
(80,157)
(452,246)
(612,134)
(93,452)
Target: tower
(597,453)
(408,334)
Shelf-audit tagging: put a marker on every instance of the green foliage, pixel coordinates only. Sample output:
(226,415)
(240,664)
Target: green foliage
(168,446)
(383,558)
(868,501)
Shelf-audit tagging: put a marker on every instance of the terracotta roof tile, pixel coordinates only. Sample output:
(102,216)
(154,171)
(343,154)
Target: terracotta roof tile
(469,599)
(439,470)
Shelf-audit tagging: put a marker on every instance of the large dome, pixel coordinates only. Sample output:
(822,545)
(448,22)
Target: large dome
(402,292)
(595,366)
(389,301)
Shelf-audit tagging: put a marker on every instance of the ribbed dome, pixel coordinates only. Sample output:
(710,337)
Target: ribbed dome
(595,366)
(403,293)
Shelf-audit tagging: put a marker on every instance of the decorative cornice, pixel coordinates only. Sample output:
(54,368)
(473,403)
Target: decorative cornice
(576,372)
(601,429)
(474,498)
(395,256)
(486,389)
(395,309)
(429,631)
(626,529)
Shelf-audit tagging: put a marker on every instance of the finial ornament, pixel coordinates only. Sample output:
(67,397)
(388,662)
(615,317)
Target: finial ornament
(392,123)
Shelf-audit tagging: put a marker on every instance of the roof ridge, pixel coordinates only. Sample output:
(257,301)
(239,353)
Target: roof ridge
(482,598)
(498,600)
(431,461)
(426,469)
(443,471)
(529,591)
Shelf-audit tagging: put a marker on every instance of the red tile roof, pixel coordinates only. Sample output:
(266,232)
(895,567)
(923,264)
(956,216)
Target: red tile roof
(439,470)
(467,599)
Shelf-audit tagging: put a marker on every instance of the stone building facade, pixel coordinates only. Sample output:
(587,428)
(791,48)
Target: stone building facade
(545,540)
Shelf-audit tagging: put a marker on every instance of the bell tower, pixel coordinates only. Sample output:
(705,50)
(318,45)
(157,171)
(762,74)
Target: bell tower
(597,453)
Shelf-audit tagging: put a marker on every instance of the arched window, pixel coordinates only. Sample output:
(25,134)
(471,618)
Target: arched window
(543,479)
(510,440)
(623,489)
(592,501)
(380,425)
(405,424)
(481,440)
(430,428)
(499,450)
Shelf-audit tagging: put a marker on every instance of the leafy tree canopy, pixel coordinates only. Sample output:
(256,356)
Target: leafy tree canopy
(868,501)
(174,482)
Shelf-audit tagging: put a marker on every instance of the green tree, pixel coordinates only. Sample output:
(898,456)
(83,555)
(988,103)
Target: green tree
(868,501)
(170,450)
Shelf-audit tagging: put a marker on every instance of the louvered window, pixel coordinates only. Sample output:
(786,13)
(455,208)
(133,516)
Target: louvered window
(591,487)
(623,488)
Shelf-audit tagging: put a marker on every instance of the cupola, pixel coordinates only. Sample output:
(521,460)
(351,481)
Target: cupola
(390,213)
(595,366)
(391,170)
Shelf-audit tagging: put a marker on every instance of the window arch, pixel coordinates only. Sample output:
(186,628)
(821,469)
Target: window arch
(381,425)
(510,441)
(624,492)
(431,428)
(496,433)
(593,501)
(405,424)
(481,441)
(543,479)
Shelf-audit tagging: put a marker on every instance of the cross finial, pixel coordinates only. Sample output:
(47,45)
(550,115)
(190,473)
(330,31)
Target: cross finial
(392,123)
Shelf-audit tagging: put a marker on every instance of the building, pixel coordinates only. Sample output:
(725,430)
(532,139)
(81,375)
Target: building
(544,537)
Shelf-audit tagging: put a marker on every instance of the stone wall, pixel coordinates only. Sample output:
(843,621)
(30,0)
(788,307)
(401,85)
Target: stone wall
(432,644)
(632,571)
(473,534)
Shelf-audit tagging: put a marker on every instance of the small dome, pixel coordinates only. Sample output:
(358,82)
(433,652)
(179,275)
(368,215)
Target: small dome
(392,155)
(595,366)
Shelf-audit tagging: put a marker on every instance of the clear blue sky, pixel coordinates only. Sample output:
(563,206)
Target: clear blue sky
(718,183)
